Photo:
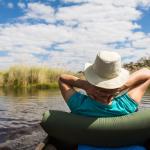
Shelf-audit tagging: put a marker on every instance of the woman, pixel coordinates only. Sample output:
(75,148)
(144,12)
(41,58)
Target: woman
(105,79)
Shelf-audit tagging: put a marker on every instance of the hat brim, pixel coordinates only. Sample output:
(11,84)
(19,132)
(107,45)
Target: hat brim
(113,83)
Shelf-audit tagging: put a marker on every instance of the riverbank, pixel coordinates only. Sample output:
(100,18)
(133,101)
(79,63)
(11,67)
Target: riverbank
(21,76)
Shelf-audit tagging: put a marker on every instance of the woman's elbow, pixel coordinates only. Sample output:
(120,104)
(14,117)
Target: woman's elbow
(146,72)
(62,77)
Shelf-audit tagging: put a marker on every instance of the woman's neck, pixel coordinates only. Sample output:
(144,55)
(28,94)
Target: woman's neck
(106,101)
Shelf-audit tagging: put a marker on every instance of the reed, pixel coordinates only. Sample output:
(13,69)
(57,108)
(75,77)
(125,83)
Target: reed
(21,76)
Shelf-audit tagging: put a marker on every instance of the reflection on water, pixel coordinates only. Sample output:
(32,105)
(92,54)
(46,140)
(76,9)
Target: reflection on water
(21,110)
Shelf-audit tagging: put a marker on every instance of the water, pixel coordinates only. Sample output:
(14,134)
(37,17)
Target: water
(21,113)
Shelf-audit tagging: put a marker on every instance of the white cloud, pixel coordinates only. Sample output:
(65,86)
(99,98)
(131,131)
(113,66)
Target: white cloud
(21,5)
(122,3)
(33,38)
(88,28)
(24,58)
(10,5)
(142,43)
(39,11)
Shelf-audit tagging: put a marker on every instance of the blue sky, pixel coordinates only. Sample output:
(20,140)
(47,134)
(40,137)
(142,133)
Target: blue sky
(69,33)
(8,13)
(145,21)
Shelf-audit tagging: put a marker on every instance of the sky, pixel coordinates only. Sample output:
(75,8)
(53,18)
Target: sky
(69,33)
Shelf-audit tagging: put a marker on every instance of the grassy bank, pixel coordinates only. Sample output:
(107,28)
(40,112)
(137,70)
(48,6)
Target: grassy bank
(31,77)
(47,78)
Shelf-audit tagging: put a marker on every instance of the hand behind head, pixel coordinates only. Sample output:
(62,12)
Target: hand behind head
(101,94)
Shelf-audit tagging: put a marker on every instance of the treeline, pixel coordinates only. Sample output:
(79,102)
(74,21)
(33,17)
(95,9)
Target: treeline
(133,66)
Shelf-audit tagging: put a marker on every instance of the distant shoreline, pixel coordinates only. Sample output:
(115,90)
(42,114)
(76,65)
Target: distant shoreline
(141,63)
(21,76)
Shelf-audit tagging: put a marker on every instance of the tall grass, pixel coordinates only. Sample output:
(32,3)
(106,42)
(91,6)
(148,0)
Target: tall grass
(27,77)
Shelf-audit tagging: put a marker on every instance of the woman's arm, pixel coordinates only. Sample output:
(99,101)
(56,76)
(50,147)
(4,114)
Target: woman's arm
(137,84)
(138,77)
(137,92)
(74,81)
(68,82)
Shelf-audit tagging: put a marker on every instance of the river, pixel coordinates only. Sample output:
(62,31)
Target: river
(21,112)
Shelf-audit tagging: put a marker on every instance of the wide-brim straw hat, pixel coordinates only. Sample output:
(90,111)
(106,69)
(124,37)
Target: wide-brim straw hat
(106,72)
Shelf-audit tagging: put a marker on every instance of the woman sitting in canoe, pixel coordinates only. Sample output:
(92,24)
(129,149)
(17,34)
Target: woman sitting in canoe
(105,79)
